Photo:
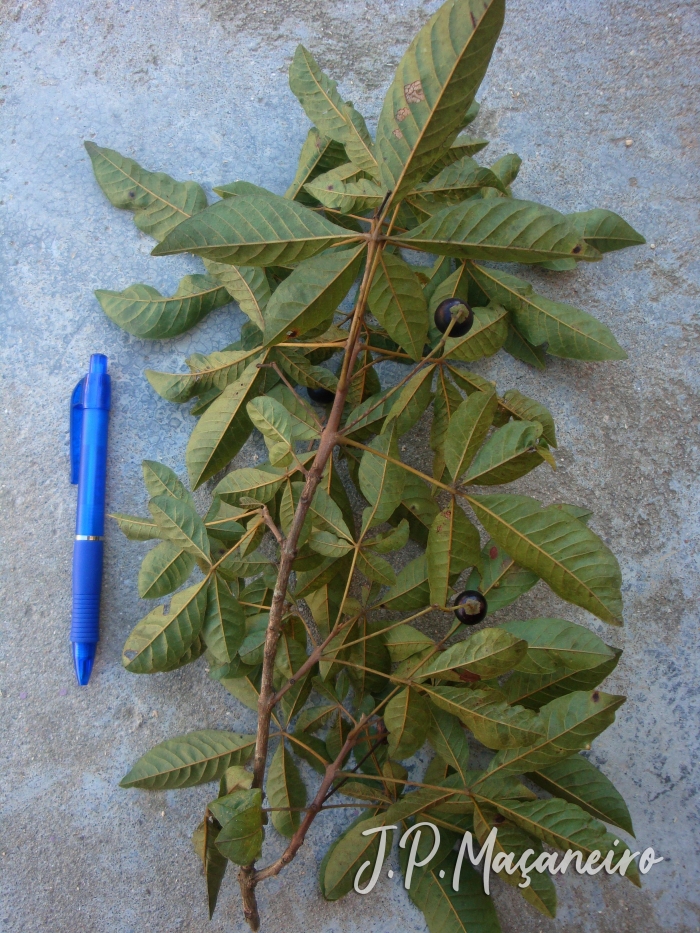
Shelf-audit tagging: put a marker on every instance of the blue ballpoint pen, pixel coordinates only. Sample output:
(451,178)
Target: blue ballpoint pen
(89,419)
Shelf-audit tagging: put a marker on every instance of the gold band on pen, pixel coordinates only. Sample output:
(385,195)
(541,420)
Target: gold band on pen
(89,538)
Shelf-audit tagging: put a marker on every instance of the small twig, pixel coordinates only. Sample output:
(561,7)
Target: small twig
(267,518)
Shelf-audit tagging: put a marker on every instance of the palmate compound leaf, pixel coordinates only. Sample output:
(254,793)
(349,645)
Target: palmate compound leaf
(567,331)
(159,202)
(565,826)
(323,105)
(577,780)
(224,427)
(435,83)
(567,725)
(561,550)
(161,639)
(180,523)
(453,545)
(309,297)
(485,712)
(540,892)
(407,719)
(164,569)
(499,229)
(190,759)
(213,862)
(142,311)
(285,788)
(253,231)
(487,653)
(396,299)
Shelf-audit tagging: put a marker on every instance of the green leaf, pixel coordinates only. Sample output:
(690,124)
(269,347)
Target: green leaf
(510,452)
(555,643)
(565,826)
(323,105)
(310,296)
(567,331)
(314,718)
(136,528)
(540,892)
(407,720)
(326,514)
(160,479)
(247,285)
(521,349)
(241,836)
(253,231)
(534,690)
(577,780)
(190,759)
(223,428)
(447,737)
(388,541)
(605,230)
(467,430)
(568,724)
(461,147)
(350,850)
(224,623)
(486,337)
(161,639)
(403,641)
(142,310)
(164,569)
(527,409)
(435,83)
(460,180)
(469,910)
(328,544)
(274,422)
(412,399)
(215,371)
(453,545)
(381,480)
(351,196)
(375,568)
(318,154)
(180,524)
(507,168)
(485,712)
(499,229)
(566,554)
(256,484)
(411,590)
(499,578)
(298,368)
(159,202)
(213,862)
(396,299)
(285,788)
(486,653)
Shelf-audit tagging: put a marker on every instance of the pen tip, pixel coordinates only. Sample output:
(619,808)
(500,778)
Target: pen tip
(83,659)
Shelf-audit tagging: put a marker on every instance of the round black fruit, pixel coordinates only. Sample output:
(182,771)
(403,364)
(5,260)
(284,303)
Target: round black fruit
(470,607)
(447,310)
(321,396)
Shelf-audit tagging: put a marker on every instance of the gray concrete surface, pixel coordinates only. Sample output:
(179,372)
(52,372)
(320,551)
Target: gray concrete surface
(198,88)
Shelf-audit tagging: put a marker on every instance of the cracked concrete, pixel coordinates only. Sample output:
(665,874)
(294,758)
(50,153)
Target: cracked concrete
(199,89)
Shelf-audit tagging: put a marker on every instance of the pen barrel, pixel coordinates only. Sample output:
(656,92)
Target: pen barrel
(90,518)
(87,587)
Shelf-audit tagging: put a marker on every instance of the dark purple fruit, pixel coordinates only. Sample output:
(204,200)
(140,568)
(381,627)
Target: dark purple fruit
(321,396)
(450,308)
(470,607)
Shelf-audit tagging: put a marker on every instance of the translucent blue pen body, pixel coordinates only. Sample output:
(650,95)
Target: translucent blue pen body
(89,426)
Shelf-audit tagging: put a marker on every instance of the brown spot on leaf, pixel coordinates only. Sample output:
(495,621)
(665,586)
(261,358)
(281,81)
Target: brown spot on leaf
(595,696)
(471,13)
(413,92)
(397,133)
(576,249)
(493,553)
(402,114)
(292,333)
(468,677)
(498,819)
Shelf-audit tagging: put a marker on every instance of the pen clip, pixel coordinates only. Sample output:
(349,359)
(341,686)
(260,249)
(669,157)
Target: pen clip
(76,429)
